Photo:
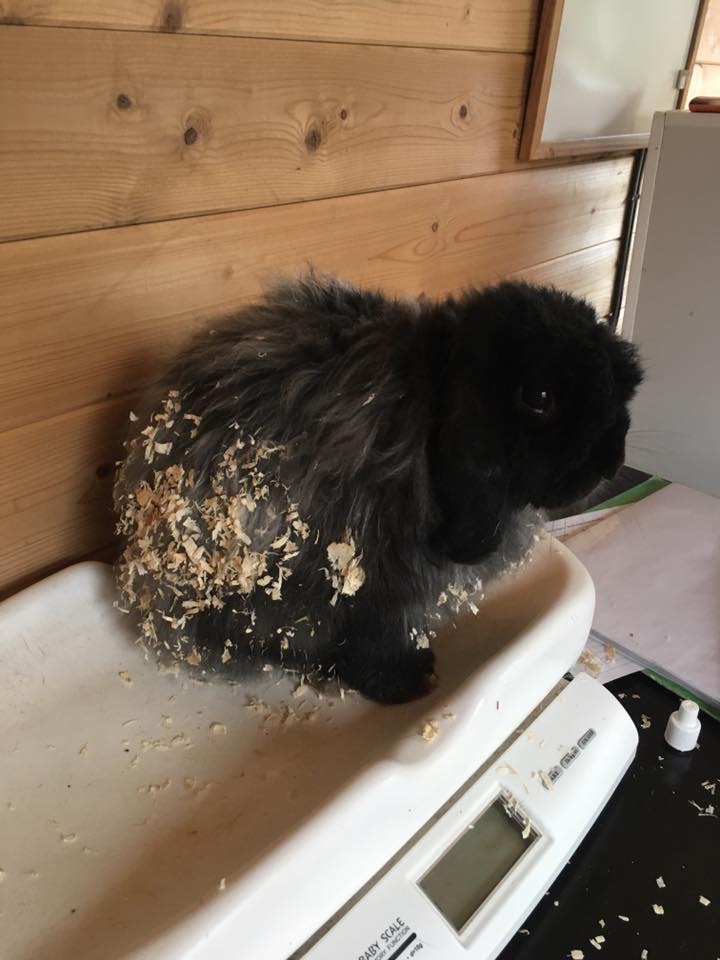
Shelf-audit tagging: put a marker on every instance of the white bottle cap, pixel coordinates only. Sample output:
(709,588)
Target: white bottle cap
(683,727)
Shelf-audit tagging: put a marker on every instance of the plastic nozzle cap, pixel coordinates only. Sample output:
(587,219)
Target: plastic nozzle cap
(683,726)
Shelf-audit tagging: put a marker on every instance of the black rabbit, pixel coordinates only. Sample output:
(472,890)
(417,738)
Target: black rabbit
(327,471)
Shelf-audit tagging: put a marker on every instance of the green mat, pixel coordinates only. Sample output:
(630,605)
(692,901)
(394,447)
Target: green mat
(633,494)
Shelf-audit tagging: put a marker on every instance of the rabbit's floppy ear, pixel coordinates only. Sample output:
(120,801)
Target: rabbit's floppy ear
(470,486)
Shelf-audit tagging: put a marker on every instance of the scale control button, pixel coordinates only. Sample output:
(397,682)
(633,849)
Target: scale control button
(572,754)
(586,738)
(553,775)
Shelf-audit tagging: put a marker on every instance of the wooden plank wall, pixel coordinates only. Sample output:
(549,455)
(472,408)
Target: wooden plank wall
(160,160)
(705,81)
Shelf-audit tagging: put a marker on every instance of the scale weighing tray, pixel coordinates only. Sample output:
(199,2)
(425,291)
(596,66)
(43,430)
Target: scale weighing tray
(145,814)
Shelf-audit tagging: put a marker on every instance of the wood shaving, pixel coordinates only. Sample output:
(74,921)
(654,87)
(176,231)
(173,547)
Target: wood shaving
(588,659)
(429,730)
(621,916)
(222,884)
(83,750)
(644,954)
(125,677)
(577,955)
(196,547)
(148,744)
(658,909)
(594,943)
(347,575)
(299,526)
(660,882)
(68,837)
(152,789)
(218,729)
(545,780)
(704,901)
(610,653)
(459,592)
(645,721)
(600,938)
(601,923)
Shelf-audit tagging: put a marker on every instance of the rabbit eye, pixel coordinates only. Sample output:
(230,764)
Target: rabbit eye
(535,400)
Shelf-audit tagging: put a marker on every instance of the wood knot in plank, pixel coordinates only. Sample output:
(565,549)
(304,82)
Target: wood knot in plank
(196,131)
(171,17)
(313,139)
(123,101)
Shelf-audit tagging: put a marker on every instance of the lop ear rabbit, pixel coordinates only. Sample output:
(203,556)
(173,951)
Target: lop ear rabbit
(323,473)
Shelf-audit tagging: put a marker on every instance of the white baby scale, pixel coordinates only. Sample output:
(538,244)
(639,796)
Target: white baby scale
(144,814)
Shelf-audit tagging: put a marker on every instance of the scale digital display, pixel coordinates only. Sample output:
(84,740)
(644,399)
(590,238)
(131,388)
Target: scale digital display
(465,876)
(464,885)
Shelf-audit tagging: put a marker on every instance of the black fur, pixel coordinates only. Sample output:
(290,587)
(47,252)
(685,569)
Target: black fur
(415,433)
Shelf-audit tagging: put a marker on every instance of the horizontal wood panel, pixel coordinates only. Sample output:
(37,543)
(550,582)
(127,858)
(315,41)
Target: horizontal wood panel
(471,24)
(57,474)
(588,273)
(709,49)
(89,315)
(53,504)
(101,127)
